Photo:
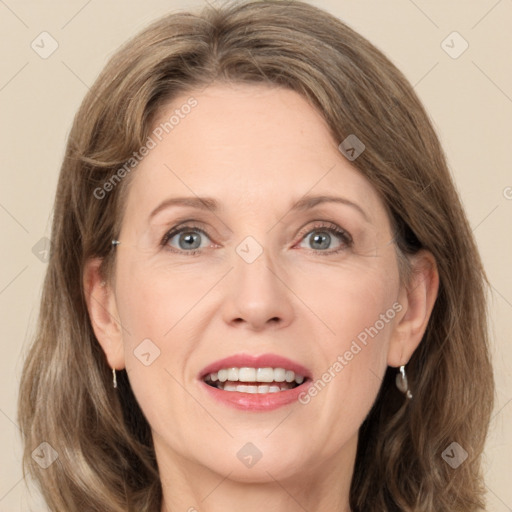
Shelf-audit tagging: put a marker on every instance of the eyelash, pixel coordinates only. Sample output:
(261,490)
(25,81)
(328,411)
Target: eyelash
(326,226)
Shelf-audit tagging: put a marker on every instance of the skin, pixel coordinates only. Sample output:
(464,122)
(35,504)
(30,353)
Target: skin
(257,150)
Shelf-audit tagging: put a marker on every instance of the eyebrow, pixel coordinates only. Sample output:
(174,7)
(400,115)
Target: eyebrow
(209,203)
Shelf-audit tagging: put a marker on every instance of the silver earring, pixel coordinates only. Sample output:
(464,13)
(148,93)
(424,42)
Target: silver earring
(401,382)
(114,377)
(115,242)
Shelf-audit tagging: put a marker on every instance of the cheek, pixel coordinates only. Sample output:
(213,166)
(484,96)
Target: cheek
(151,311)
(357,310)
(153,301)
(154,312)
(349,298)
(159,308)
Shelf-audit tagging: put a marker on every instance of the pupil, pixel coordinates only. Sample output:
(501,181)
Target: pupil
(189,240)
(326,237)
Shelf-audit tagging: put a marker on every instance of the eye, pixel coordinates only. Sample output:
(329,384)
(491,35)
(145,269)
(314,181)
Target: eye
(321,236)
(188,239)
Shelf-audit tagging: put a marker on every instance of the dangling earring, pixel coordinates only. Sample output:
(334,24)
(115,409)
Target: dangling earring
(401,382)
(114,377)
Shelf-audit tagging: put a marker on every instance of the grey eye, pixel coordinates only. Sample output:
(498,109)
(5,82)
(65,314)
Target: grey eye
(187,239)
(320,239)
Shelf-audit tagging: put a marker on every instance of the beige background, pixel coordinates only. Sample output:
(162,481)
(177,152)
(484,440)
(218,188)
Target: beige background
(469,99)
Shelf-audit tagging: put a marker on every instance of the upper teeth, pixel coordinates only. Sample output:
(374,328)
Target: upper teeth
(255,375)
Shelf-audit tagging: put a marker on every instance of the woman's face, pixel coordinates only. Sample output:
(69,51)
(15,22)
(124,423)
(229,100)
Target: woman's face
(268,271)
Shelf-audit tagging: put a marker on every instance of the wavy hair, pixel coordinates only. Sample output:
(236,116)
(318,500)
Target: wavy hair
(106,460)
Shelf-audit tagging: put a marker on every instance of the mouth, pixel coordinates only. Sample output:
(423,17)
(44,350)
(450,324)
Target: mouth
(254,380)
(255,383)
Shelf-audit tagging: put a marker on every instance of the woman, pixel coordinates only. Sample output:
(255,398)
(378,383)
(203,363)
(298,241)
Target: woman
(262,288)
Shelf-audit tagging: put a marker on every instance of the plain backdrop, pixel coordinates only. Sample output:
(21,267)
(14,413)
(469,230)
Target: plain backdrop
(467,92)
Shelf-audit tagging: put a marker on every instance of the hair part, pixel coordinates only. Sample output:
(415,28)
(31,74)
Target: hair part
(106,457)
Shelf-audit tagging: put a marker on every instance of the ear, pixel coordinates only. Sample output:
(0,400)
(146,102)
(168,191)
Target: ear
(417,299)
(102,308)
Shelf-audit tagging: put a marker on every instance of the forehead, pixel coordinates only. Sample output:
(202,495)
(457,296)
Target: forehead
(245,144)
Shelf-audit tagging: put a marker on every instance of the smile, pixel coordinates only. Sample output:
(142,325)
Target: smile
(255,380)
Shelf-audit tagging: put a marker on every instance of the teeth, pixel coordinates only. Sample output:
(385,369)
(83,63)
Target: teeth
(289,376)
(247,375)
(255,375)
(264,388)
(279,374)
(264,375)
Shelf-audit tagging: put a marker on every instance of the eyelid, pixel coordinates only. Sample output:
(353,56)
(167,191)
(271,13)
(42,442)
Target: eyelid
(330,227)
(178,229)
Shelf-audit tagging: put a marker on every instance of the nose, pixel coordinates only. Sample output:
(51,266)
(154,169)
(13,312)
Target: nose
(258,295)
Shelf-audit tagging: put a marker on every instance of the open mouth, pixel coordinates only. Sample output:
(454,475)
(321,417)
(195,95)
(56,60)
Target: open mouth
(254,380)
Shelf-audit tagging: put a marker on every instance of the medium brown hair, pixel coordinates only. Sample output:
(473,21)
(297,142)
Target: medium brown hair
(106,460)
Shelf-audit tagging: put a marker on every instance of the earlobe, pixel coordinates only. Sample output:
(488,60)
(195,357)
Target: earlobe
(102,309)
(417,298)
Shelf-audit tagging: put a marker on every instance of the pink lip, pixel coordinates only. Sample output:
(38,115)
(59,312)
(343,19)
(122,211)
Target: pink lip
(262,361)
(256,401)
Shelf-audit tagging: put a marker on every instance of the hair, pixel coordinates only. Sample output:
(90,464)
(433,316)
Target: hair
(106,460)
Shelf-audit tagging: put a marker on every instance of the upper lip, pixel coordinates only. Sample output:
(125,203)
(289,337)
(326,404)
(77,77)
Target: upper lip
(252,361)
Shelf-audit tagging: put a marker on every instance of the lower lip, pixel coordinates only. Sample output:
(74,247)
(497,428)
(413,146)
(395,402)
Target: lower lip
(256,401)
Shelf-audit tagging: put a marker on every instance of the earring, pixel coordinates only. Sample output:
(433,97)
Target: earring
(114,377)
(401,382)
(115,242)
